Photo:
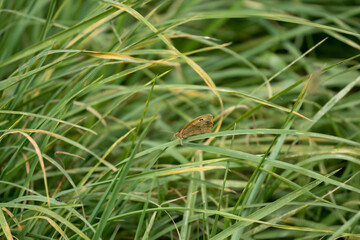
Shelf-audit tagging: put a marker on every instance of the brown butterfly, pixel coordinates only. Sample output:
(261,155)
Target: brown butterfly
(199,125)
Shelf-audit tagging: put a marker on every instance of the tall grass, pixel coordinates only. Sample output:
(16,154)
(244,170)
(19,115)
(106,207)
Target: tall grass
(93,91)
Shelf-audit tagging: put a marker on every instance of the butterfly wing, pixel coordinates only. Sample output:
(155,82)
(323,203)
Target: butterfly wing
(200,125)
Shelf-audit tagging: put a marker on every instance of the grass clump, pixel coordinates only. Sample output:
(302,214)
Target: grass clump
(93,91)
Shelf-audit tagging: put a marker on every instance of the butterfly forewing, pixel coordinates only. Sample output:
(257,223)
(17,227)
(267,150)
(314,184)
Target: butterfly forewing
(198,128)
(199,125)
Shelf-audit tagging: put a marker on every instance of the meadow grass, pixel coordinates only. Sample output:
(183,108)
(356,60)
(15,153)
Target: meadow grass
(93,91)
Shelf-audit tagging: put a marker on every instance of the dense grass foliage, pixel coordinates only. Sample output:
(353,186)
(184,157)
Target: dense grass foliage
(93,91)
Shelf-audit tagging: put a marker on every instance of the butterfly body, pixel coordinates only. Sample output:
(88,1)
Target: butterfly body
(199,125)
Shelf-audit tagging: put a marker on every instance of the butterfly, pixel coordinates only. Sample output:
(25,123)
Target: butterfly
(199,125)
